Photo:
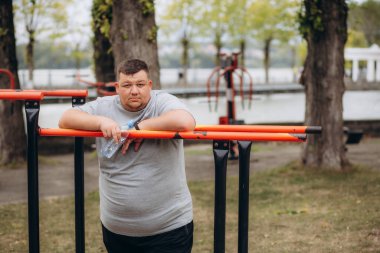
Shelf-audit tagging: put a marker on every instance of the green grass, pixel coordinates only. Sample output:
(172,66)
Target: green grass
(291,210)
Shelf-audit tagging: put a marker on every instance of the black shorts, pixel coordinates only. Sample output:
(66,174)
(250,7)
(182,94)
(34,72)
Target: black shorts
(179,240)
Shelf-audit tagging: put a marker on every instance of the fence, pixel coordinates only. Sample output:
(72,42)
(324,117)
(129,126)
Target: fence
(222,135)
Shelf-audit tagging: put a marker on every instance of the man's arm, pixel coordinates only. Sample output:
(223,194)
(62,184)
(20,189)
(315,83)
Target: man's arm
(76,119)
(175,120)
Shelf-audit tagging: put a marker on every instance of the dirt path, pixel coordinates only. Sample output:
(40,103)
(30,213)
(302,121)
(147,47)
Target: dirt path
(56,174)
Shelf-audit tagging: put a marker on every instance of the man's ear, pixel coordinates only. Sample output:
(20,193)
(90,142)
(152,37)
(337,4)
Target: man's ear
(150,83)
(117,86)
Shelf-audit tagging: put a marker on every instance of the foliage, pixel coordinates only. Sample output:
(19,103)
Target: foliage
(273,19)
(152,34)
(43,16)
(310,19)
(364,18)
(148,6)
(50,55)
(101,13)
(356,39)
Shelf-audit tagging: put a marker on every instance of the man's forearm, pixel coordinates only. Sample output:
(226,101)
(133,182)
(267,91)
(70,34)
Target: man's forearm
(176,120)
(79,120)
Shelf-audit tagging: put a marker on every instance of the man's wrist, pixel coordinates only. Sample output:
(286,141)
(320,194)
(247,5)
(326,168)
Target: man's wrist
(137,125)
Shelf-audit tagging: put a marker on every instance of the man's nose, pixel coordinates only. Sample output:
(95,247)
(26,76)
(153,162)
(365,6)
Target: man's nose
(134,89)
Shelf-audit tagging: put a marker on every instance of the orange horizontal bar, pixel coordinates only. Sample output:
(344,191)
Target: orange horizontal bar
(55,93)
(21,95)
(65,93)
(194,135)
(260,128)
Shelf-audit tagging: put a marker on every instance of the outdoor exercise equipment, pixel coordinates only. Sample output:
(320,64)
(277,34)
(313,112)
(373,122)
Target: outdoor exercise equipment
(102,88)
(10,76)
(228,69)
(222,135)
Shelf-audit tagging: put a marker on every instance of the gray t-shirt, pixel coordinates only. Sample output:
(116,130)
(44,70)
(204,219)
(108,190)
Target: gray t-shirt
(142,193)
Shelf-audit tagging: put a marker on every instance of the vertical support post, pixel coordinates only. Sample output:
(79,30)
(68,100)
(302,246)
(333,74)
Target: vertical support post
(244,158)
(32,109)
(230,97)
(230,92)
(220,150)
(79,186)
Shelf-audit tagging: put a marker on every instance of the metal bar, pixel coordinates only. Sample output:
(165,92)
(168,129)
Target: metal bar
(32,109)
(21,95)
(261,129)
(244,158)
(53,93)
(220,150)
(240,136)
(79,186)
(10,76)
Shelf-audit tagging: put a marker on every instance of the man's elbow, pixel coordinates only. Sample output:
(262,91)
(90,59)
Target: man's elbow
(64,121)
(188,124)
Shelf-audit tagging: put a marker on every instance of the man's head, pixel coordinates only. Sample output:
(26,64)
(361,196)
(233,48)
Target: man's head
(133,84)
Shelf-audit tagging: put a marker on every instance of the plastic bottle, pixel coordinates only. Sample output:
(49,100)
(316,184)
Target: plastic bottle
(111,147)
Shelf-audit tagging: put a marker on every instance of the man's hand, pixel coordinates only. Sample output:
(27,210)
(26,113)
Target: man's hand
(110,129)
(138,143)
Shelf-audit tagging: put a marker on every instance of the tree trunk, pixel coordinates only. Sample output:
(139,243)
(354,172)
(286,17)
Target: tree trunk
(266,58)
(12,132)
(185,59)
(30,56)
(218,46)
(134,34)
(324,87)
(103,56)
(242,53)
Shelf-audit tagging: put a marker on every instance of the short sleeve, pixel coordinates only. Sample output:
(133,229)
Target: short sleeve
(90,107)
(168,102)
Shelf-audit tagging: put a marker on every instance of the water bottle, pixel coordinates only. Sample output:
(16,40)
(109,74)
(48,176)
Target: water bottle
(111,147)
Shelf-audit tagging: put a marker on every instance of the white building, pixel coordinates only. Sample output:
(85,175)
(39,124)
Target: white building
(371,55)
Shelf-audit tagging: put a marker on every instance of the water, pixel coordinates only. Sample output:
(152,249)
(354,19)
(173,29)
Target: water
(274,108)
(49,78)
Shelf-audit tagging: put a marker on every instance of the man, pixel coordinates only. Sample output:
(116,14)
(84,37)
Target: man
(145,203)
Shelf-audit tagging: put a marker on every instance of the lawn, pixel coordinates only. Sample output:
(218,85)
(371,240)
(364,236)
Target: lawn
(291,210)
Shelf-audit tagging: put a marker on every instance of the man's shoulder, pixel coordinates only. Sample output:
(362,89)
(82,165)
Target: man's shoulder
(106,99)
(162,94)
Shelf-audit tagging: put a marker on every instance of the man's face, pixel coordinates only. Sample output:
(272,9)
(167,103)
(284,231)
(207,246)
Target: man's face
(134,90)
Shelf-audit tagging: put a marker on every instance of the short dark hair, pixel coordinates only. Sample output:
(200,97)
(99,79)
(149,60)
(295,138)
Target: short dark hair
(130,67)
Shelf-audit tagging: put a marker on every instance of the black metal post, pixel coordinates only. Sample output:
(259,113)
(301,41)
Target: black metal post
(79,186)
(32,109)
(220,150)
(230,93)
(244,158)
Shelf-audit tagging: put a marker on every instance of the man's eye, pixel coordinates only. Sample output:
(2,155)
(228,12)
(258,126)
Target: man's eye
(140,85)
(127,85)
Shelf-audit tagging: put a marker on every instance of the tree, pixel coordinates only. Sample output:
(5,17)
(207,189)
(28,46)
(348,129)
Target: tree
(239,26)
(272,19)
(40,16)
(134,34)
(12,132)
(364,18)
(103,56)
(183,14)
(323,24)
(215,20)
